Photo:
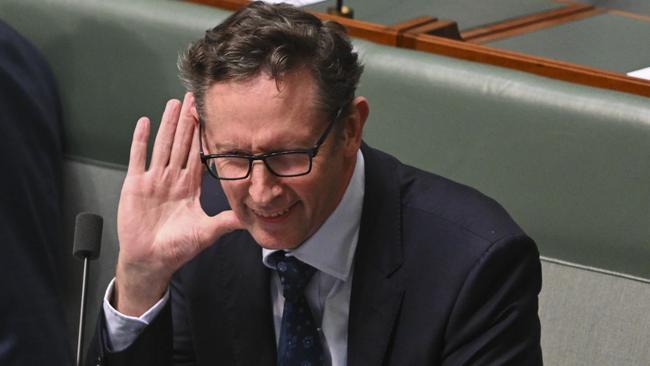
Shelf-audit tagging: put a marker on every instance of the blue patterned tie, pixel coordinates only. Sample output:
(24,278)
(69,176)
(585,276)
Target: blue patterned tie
(300,343)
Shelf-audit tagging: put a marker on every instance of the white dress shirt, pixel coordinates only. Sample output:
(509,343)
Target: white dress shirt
(330,250)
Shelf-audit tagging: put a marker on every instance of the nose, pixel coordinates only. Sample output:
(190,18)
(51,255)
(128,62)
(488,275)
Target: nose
(264,186)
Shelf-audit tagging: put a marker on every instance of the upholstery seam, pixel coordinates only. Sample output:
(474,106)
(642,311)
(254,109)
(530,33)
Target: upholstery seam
(594,269)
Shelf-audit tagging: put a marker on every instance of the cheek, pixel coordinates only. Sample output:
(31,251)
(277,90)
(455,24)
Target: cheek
(315,193)
(235,193)
(330,183)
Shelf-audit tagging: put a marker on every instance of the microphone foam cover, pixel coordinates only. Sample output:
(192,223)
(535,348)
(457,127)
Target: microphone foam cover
(87,235)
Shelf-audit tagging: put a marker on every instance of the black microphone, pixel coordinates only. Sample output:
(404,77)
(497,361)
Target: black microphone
(86,246)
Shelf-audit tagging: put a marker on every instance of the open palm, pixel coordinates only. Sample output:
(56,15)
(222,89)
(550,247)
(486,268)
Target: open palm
(160,222)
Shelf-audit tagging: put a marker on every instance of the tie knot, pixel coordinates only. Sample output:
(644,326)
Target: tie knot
(294,275)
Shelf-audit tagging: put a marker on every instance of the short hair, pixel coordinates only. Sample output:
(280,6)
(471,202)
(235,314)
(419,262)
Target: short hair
(274,39)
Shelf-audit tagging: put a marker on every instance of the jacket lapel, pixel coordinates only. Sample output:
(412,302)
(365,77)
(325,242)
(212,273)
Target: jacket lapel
(378,283)
(248,304)
(242,298)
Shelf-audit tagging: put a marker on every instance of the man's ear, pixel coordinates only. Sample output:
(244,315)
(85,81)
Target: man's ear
(353,128)
(197,118)
(193,110)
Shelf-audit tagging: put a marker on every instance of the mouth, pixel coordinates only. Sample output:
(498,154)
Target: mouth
(272,216)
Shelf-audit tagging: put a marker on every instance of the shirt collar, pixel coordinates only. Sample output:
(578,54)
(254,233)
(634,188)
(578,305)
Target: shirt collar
(331,248)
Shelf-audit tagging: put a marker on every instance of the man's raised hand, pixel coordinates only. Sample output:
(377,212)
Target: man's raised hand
(160,222)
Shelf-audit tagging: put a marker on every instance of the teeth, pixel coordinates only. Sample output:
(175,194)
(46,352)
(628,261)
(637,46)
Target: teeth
(273,214)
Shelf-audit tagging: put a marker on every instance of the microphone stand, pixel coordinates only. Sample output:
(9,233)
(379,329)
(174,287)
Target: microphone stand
(86,246)
(82,311)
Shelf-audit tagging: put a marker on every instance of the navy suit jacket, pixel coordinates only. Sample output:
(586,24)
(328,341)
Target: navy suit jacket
(33,330)
(442,276)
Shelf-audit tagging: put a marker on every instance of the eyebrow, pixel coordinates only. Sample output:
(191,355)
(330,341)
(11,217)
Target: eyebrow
(274,146)
(227,147)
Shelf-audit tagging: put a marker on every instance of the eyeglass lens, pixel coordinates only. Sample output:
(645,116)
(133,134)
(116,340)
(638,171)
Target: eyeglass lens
(288,164)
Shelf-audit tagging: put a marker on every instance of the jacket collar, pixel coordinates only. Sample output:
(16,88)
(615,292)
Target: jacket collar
(245,296)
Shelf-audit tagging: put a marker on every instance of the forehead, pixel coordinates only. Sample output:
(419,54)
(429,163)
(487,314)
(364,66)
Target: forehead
(294,93)
(262,111)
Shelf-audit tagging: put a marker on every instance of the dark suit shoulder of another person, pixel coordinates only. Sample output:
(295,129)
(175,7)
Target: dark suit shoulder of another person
(32,329)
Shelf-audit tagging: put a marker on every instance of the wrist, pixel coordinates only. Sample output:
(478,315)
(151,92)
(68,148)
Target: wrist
(136,291)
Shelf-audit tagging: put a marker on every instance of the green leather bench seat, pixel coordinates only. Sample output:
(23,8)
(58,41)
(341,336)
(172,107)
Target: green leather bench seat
(569,162)
(467,13)
(607,41)
(593,318)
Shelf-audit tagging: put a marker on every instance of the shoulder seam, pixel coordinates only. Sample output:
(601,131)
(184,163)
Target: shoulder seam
(463,227)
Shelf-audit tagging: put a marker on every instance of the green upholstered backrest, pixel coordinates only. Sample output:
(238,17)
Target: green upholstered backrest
(569,162)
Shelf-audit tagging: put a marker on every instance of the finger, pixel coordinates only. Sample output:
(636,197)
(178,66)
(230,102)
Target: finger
(138,154)
(217,226)
(184,134)
(165,137)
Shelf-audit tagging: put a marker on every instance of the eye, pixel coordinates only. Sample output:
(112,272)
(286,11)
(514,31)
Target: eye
(289,148)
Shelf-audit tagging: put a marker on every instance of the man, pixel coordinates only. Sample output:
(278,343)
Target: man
(32,328)
(321,249)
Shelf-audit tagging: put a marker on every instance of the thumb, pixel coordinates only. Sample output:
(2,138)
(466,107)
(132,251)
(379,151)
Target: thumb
(219,225)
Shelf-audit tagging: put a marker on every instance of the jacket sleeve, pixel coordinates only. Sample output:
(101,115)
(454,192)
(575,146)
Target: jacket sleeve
(494,320)
(152,347)
(164,342)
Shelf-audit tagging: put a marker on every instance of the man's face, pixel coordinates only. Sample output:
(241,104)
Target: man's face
(259,116)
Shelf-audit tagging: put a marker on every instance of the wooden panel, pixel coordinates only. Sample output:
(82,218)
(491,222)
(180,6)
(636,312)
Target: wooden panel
(526,24)
(413,23)
(537,26)
(611,9)
(224,4)
(440,28)
(622,13)
(366,30)
(536,65)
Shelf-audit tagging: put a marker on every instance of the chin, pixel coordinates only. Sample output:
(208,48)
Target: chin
(272,243)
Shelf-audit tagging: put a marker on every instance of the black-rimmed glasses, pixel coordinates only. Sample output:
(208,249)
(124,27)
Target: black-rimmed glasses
(288,163)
